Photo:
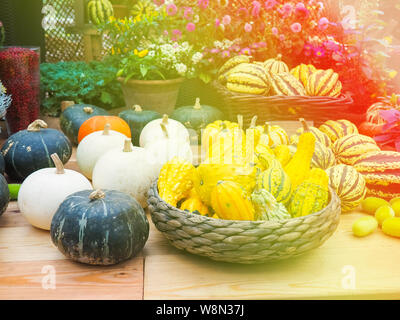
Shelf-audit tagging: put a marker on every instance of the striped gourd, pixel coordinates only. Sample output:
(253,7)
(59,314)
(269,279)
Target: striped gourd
(285,84)
(267,208)
(324,83)
(99,11)
(273,136)
(336,129)
(277,182)
(230,64)
(248,79)
(349,185)
(318,134)
(276,65)
(387,103)
(303,72)
(381,170)
(350,148)
(323,156)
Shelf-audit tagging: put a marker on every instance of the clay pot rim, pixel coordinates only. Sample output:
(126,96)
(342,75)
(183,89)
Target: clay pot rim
(151,82)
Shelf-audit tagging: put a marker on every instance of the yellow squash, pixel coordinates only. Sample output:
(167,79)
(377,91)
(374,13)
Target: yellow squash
(230,202)
(175,180)
(194,204)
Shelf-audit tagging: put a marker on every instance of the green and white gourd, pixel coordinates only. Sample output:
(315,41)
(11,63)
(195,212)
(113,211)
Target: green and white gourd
(44,190)
(267,208)
(99,227)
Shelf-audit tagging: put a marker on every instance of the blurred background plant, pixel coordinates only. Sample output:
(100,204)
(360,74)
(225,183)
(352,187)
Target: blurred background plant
(5,100)
(2,34)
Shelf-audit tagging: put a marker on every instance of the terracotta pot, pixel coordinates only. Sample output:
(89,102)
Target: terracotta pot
(157,95)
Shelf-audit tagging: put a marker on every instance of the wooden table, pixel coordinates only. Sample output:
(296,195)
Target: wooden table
(344,267)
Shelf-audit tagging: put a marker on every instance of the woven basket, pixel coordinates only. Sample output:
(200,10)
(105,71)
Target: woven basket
(243,241)
(279,108)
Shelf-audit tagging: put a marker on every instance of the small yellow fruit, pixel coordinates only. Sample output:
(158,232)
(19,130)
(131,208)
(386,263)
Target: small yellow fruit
(364,226)
(391,227)
(383,213)
(396,208)
(394,200)
(371,204)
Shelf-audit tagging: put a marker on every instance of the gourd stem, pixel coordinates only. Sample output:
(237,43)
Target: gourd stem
(88,110)
(306,128)
(267,127)
(137,108)
(279,57)
(36,125)
(253,122)
(197,105)
(240,121)
(96,195)
(164,130)
(165,119)
(58,163)
(106,131)
(66,104)
(127,146)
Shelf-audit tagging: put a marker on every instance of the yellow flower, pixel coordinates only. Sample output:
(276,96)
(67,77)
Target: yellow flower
(135,52)
(392,74)
(388,39)
(143,53)
(112,51)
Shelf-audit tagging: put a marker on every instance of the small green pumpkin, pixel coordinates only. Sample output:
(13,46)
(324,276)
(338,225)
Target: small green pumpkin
(266,206)
(74,116)
(197,117)
(137,118)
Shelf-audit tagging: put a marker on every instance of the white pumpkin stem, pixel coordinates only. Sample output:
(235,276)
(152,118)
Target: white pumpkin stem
(137,108)
(107,128)
(88,110)
(36,125)
(127,146)
(253,122)
(279,57)
(197,104)
(240,121)
(66,104)
(58,163)
(96,195)
(306,128)
(164,130)
(165,119)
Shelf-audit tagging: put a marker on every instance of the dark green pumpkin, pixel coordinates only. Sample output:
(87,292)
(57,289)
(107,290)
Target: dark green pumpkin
(30,150)
(137,118)
(74,116)
(4,194)
(99,227)
(197,117)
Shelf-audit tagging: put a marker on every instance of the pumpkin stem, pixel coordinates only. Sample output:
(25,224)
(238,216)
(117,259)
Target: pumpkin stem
(66,104)
(88,110)
(164,129)
(253,122)
(197,104)
(267,127)
(127,146)
(36,125)
(240,121)
(106,131)
(137,108)
(278,57)
(306,128)
(58,163)
(165,119)
(96,195)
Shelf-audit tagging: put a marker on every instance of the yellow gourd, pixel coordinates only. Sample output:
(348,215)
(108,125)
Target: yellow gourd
(213,129)
(299,166)
(175,180)
(283,154)
(207,176)
(195,205)
(230,202)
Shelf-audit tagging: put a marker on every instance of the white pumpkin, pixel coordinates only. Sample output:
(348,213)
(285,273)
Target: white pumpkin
(153,131)
(163,150)
(94,145)
(131,170)
(42,192)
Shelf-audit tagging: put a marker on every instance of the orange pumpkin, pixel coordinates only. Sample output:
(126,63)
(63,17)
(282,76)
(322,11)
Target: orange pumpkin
(97,123)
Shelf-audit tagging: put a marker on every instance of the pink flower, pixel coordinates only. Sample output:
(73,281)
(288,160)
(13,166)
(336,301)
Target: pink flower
(274,31)
(217,22)
(270,4)
(226,54)
(190,27)
(177,34)
(319,52)
(235,47)
(308,47)
(281,37)
(255,12)
(323,23)
(171,9)
(248,27)
(286,10)
(246,51)
(331,45)
(243,12)
(262,44)
(226,20)
(188,13)
(296,27)
(165,32)
(214,50)
(159,2)
(302,11)
(203,4)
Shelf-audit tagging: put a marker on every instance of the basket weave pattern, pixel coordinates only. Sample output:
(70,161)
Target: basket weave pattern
(279,108)
(243,241)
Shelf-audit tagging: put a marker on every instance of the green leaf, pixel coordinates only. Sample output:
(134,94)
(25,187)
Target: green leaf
(143,70)
(106,97)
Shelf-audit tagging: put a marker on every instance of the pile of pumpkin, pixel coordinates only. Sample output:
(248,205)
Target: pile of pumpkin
(264,174)
(273,77)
